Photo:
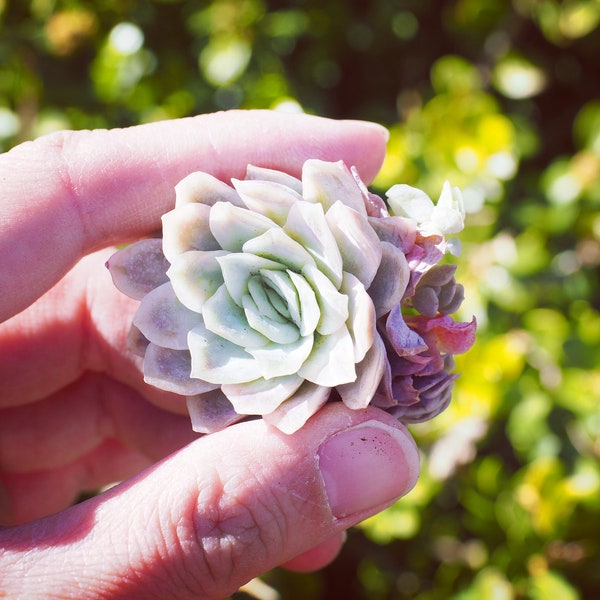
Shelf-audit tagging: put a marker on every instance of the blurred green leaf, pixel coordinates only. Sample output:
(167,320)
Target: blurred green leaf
(489,584)
(547,585)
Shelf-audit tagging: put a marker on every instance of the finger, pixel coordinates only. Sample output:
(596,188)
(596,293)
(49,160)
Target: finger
(63,427)
(76,191)
(318,557)
(227,508)
(95,432)
(28,496)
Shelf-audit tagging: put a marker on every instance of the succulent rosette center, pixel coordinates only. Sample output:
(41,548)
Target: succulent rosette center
(265,296)
(274,304)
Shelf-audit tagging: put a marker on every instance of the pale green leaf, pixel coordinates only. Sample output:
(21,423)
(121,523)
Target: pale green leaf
(261,396)
(307,225)
(196,276)
(359,245)
(233,226)
(226,319)
(217,360)
(331,361)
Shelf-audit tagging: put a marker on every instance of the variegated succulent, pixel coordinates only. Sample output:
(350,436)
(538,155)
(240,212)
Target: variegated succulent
(274,295)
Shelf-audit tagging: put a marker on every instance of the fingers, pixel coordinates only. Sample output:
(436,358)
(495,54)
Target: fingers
(225,509)
(60,429)
(33,495)
(93,433)
(69,193)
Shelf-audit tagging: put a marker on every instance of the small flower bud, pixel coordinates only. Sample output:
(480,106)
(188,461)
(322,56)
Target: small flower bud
(437,292)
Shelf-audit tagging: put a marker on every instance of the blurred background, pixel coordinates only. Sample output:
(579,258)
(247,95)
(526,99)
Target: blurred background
(500,97)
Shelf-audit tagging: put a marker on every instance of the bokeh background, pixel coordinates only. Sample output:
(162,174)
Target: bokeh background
(500,97)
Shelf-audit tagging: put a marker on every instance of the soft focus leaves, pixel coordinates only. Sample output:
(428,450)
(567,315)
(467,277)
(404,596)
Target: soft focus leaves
(500,97)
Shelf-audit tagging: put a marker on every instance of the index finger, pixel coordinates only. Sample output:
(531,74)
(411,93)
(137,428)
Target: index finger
(69,193)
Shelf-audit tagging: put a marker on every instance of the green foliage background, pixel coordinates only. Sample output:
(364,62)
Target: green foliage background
(500,97)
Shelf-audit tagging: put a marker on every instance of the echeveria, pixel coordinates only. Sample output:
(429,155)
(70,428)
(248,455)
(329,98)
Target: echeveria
(273,295)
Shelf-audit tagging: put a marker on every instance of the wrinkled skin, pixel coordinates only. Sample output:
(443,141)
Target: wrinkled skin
(74,411)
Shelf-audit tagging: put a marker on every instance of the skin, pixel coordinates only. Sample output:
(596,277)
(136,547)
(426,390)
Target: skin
(75,414)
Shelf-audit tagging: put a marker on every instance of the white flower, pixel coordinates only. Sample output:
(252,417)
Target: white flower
(444,218)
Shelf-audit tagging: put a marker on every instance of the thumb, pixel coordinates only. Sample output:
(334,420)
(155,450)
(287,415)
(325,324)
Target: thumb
(223,510)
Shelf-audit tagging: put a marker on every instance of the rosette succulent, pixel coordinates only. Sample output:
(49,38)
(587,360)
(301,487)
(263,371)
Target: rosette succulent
(274,295)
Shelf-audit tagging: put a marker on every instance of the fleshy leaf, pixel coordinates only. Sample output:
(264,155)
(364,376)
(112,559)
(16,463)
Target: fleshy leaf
(358,243)
(309,312)
(281,294)
(404,340)
(276,245)
(279,360)
(211,412)
(369,371)
(273,200)
(277,331)
(361,321)
(186,228)
(292,414)
(237,269)
(263,174)
(332,305)
(374,205)
(232,226)
(411,202)
(438,275)
(331,361)
(384,397)
(196,276)
(261,396)
(138,268)
(206,189)
(328,182)
(446,217)
(451,306)
(217,360)
(226,319)
(449,213)
(307,225)
(426,253)
(391,279)
(164,320)
(268,301)
(137,341)
(452,337)
(169,370)
(432,395)
(426,301)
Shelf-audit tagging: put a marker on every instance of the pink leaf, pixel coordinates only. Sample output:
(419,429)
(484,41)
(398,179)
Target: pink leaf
(405,341)
(452,337)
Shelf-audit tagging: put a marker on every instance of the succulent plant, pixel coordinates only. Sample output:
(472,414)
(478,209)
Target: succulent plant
(274,295)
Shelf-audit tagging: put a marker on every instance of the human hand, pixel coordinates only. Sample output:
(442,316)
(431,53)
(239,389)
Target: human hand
(75,413)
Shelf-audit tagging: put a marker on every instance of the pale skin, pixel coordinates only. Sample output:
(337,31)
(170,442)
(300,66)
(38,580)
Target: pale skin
(196,517)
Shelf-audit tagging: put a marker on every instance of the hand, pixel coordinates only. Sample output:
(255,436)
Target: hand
(76,415)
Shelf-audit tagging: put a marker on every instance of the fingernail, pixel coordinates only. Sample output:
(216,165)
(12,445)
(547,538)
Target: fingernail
(366,467)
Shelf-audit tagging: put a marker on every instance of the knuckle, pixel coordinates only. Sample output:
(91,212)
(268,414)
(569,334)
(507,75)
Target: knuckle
(227,532)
